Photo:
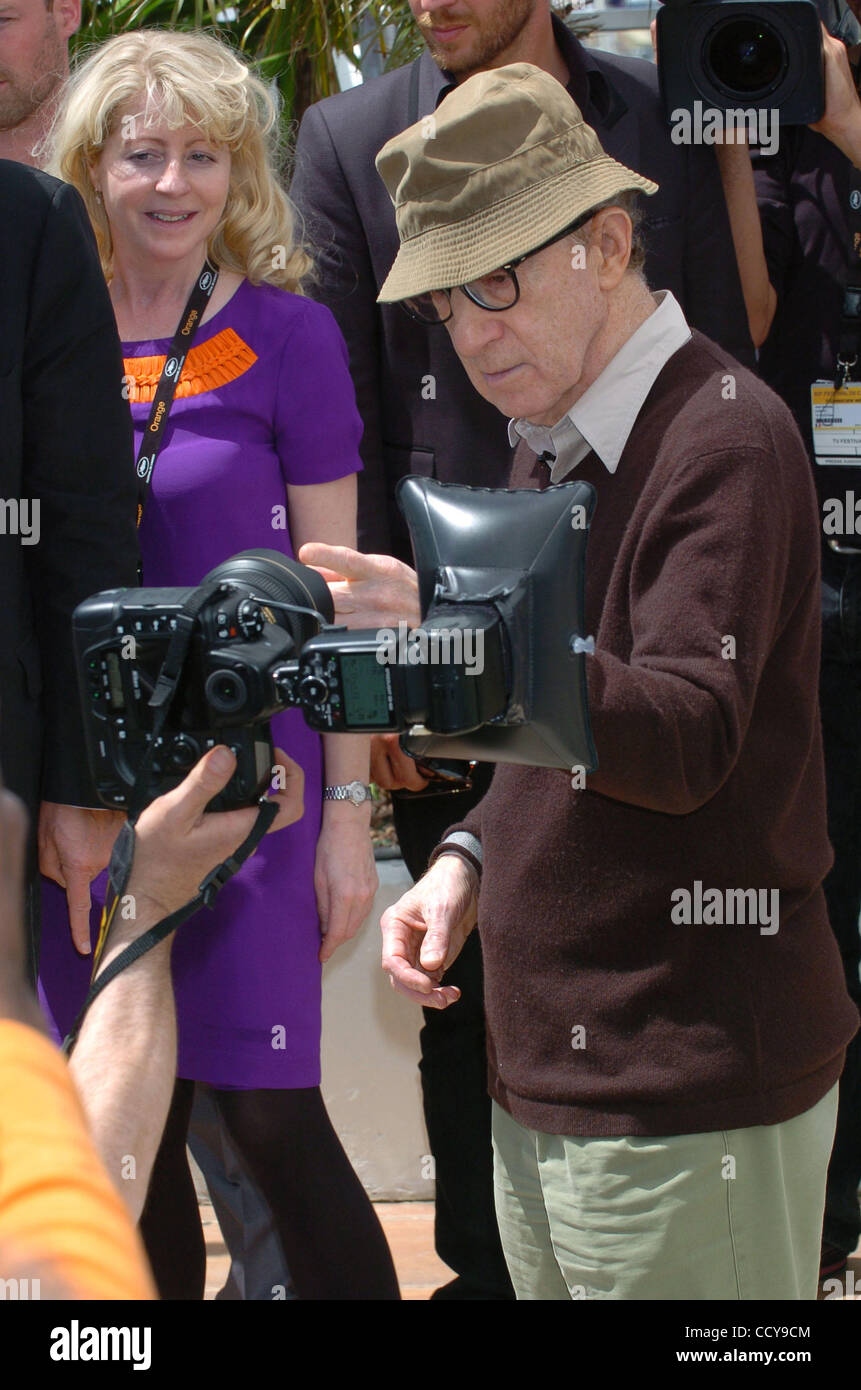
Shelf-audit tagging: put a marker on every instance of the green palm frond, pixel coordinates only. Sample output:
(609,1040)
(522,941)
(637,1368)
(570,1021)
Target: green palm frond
(293,42)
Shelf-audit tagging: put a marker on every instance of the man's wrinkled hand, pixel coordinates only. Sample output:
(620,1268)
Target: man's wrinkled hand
(367,590)
(424,931)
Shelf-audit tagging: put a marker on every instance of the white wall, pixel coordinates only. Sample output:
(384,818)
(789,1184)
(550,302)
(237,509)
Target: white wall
(370,1060)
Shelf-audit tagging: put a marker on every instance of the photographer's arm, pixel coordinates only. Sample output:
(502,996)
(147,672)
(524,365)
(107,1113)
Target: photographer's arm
(61,1221)
(760,298)
(124,1063)
(841,124)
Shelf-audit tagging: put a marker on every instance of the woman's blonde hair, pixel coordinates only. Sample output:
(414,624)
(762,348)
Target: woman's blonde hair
(184,79)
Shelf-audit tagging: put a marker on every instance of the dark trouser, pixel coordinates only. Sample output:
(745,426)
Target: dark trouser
(840,700)
(329,1232)
(454,1078)
(258,1270)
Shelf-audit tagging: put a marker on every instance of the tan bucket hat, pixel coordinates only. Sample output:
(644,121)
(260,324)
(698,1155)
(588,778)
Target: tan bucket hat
(504,164)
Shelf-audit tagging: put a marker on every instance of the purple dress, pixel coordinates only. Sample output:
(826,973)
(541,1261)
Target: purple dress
(265,399)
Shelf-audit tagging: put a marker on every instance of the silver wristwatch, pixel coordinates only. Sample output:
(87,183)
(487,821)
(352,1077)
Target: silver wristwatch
(357,792)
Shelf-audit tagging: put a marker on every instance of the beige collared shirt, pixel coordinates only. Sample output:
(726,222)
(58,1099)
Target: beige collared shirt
(604,416)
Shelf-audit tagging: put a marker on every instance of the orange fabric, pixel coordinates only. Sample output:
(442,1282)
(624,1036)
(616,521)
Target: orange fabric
(60,1218)
(214,363)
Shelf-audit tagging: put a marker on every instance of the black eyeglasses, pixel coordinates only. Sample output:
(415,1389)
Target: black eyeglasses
(498,290)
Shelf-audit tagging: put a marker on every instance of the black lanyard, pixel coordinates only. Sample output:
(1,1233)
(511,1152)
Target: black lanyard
(171,372)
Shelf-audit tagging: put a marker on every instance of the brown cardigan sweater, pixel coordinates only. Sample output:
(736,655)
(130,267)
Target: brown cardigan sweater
(606,1016)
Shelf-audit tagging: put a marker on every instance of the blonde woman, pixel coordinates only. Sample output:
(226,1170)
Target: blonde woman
(167,138)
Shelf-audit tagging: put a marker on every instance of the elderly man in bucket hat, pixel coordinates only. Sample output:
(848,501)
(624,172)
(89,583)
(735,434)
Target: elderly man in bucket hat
(667,1017)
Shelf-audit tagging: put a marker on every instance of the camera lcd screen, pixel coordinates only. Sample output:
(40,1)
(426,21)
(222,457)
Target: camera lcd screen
(363,681)
(115,682)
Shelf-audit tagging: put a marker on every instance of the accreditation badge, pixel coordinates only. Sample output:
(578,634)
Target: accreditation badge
(836,422)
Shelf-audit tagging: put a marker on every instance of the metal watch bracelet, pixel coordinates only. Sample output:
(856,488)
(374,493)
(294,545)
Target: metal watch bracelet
(357,792)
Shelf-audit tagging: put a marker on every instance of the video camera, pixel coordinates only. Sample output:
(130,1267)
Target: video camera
(165,674)
(731,54)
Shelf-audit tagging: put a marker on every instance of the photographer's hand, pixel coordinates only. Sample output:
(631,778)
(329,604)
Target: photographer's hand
(177,841)
(424,932)
(367,590)
(841,122)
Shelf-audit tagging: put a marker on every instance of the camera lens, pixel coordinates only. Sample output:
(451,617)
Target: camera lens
(745,56)
(269,574)
(226,692)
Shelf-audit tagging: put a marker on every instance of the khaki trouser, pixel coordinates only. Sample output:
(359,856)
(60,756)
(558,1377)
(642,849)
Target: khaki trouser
(733,1214)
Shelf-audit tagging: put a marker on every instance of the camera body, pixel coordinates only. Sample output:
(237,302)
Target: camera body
(248,658)
(226,693)
(496,669)
(731,55)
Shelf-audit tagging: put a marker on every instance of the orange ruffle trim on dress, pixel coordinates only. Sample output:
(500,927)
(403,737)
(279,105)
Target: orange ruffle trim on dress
(214,363)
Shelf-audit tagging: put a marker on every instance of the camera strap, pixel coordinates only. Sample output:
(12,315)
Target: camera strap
(171,371)
(166,685)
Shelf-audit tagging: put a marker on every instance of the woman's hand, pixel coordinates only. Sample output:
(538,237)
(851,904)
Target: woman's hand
(345,877)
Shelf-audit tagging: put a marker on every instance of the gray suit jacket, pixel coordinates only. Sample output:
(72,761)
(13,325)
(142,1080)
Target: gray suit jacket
(421,413)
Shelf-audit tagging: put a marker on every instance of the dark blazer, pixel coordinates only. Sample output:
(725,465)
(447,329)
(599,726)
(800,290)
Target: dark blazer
(420,411)
(66,440)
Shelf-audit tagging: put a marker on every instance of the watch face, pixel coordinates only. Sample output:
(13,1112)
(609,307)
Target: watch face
(356,792)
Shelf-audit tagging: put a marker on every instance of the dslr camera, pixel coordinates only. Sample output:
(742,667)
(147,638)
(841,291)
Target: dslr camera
(731,54)
(165,674)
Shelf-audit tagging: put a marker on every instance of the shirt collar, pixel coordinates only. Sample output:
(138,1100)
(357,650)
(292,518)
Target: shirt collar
(603,417)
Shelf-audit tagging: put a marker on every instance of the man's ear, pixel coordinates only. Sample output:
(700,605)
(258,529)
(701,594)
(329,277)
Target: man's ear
(612,234)
(67,17)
